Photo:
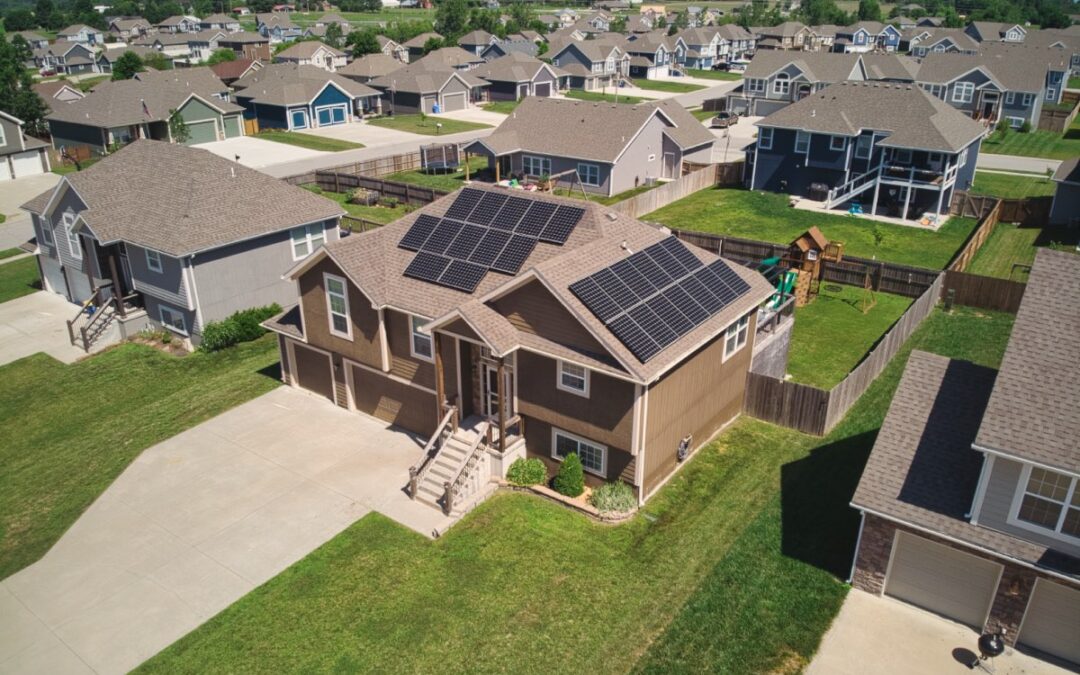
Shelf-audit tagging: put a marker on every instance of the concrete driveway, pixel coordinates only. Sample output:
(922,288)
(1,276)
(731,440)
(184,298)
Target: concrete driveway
(37,323)
(257,153)
(736,138)
(474,114)
(15,193)
(370,135)
(195,523)
(880,635)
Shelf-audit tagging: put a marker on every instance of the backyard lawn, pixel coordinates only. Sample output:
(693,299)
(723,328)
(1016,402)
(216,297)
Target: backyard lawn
(767,216)
(440,181)
(504,107)
(70,430)
(425,124)
(19,278)
(603,98)
(1009,244)
(61,168)
(1036,143)
(667,86)
(378,214)
(713,74)
(308,141)
(832,334)
(734,567)
(606,201)
(1074,83)
(1011,186)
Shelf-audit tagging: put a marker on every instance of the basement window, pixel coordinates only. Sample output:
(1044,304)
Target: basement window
(593,456)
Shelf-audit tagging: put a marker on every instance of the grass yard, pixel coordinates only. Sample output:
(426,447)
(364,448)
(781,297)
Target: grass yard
(1074,83)
(112,406)
(703,115)
(418,124)
(832,335)
(767,216)
(667,85)
(754,531)
(1036,143)
(89,83)
(1012,186)
(504,107)
(10,252)
(606,201)
(713,74)
(61,168)
(19,278)
(1009,244)
(440,181)
(378,214)
(309,141)
(603,98)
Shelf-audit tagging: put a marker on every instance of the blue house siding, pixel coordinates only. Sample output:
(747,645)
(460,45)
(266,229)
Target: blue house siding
(280,117)
(269,116)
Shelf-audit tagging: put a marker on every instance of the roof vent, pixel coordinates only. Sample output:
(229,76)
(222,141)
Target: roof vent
(626,247)
(612,216)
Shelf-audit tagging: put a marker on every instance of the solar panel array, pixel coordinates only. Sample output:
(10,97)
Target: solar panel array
(655,296)
(483,231)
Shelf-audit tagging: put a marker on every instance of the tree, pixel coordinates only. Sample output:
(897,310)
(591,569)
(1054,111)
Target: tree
(17,96)
(482,19)
(221,56)
(125,67)
(951,18)
(363,42)
(821,12)
(178,128)
(19,19)
(21,49)
(157,61)
(672,29)
(520,14)
(47,16)
(869,10)
(432,44)
(570,480)
(333,36)
(452,18)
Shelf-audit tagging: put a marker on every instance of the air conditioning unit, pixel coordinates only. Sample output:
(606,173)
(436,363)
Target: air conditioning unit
(650,181)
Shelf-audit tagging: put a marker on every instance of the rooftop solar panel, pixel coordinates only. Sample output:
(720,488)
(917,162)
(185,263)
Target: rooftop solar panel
(464,203)
(427,267)
(514,254)
(534,220)
(729,277)
(466,241)
(418,232)
(510,214)
(670,315)
(594,297)
(462,276)
(440,239)
(487,209)
(616,290)
(562,224)
(630,334)
(653,325)
(489,247)
(629,275)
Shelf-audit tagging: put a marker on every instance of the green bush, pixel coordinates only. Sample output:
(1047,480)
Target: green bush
(1025,128)
(617,497)
(571,478)
(526,472)
(243,326)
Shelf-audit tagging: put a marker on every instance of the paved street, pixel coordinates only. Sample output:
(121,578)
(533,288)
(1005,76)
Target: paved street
(1014,163)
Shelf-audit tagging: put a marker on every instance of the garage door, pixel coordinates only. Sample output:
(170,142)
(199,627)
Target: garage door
(54,275)
(5,172)
(428,104)
(1052,622)
(312,371)
(452,102)
(392,401)
(543,89)
(27,164)
(330,116)
(941,579)
(202,132)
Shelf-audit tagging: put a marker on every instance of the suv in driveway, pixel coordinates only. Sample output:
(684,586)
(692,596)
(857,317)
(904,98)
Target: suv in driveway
(723,120)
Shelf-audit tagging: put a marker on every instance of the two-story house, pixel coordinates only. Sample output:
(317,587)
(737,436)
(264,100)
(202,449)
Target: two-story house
(893,147)
(392,49)
(970,500)
(33,40)
(776,78)
(127,28)
(592,64)
(505,324)
(370,66)
(701,47)
(989,31)
(217,239)
(20,155)
(787,35)
(294,97)
(313,53)
(247,45)
(229,24)
(82,34)
(941,41)
(651,55)
(735,43)
(477,41)
(178,24)
(866,36)
(277,27)
(68,58)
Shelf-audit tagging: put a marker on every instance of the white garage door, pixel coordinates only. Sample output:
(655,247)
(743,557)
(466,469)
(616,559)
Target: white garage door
(453,102)
(5,172)
(54,275)
(1052,622)
(28,164)
(941,579)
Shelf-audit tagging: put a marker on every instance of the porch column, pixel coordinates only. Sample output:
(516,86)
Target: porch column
(502,403)
(907,197)
(118,292)
(440,386)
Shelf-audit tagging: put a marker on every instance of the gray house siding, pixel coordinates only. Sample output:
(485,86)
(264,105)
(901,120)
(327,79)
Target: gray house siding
(402,102)
(153,307)
(1001,487)
(560,164)
(12,136)
(76,269)
(169,285)
(643,158)
(1066,208)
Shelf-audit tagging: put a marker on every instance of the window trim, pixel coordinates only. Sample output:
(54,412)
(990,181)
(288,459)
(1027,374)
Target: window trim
(157,267)
(594,168)
(556,432)
(183,322)
(3,136)
(1019,121)
(585,378)
(963,92)
(1018,500)
(761,138)
(414,333)
(801,135)
(1028,100)
(740,326)
(832,143)
(528,160)
(308,240)
(782,79)
(47,237)
(1010,97)
(869,147)
(330,313)
(902,155)
(74,245)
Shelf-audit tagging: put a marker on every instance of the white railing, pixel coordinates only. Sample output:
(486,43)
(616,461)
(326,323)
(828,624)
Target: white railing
(473,473)
(858,184)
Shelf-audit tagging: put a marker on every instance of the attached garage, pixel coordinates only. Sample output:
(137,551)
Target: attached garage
(1052,621)
(330,116)
(204,131)
(27,164)
(542,89)
(942,579)
(5,170)
(392,401)
(454,101)
(313,371)
(53,274)
(428,103)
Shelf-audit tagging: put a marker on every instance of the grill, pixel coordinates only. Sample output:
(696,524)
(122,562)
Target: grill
(991,645)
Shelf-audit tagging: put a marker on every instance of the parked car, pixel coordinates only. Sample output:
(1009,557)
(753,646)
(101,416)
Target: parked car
(46,72)
(724,120)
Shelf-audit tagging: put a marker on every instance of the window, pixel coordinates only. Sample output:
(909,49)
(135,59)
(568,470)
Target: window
(420,343)
(3,138)
(536,166)
(589,174)
(593,456)
(337,305)
(573,378)
(735,336)
(755,86)
(863,146)
(802,142)
(963,92)
(1010,97)
(939,48)
(782,84)
(172,319)
(1051,94)
(902,156)
(46,232)
(764,140)
(153,261)
(1016,122)
(305,239)
(963,158)
(837,143)
(1049,500)
(1028,98)
(72,236)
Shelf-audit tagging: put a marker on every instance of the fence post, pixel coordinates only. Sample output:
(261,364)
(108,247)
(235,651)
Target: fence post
(407,200)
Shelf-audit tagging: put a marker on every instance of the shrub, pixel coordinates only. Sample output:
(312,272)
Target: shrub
(571,478)
(617,497)
(243,326)
(389,202)
(1025,128)
(526,472)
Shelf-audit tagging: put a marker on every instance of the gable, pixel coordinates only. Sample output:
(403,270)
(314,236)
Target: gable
(531,308)
(196,109)
(331,94)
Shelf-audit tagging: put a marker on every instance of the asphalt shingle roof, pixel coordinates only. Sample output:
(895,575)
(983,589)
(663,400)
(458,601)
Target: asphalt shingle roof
(514,67)
(817,66)
(1015,68)
(288,83)
(306,50)
(371,66)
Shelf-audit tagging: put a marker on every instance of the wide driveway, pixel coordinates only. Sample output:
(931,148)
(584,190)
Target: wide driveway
(195,523)
(15,193)
(38,323)
(258,153)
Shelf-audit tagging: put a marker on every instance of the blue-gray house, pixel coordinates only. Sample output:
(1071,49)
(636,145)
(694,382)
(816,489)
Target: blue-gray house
(291,96)
(893,148)
(866,36)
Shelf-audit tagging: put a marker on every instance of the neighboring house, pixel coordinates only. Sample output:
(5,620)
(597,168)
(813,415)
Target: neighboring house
(231,71)
(56,92)
(650,55)
(894,148)
(128,28)
(429,88)
(122,111)
(866,36)
(592,64)
(941,41)
(823,37)
(1065,40)
(291,96)
(701,47)
(788,35)
(776,78)
(20,155)
(520,339)
(1065,209)
(82,34)
(33,40)
(988,31)
(510,46)
(886,67)
(179,24)
(247,45)
(330,19)
(515,76)
(277,27)
(415,46)
(68,58)
(476,41)
(735,43)
(393,49)
(241,11)
(217,239)
(107,57)
(201,44)
(312,53)
(455,58)
(368,67)
(220,22)
(611,147)
(969,500)
(173,45)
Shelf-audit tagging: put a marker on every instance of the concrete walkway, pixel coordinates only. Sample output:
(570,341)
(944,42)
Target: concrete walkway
(1017,164)
(886,637)
(37,323)
(195,523)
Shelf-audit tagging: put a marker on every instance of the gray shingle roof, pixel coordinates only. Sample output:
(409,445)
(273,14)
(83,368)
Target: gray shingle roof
(1011,69)
(289,83)
(1067,172)
(371,66)
(424,77)
(306,50)
(182,200)
(1034,412)
(421,39)
(514,67)
(913,118)
(818,66)
(894,67)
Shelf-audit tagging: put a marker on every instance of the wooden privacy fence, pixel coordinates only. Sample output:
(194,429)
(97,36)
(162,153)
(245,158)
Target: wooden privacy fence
(971,206)
(376,168)
(658,197)
(974,290)
(405,192)
(982,232)
(1030,211)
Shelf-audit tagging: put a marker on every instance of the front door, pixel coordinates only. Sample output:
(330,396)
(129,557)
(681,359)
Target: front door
(669,165)
(491,391)
(989,103)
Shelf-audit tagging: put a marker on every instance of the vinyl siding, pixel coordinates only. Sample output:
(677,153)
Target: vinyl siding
(47,250)
(170,285)
(12,137)
(635,167)
(620,463)
(153,311)
(364,347)
(532,309)
(560,164)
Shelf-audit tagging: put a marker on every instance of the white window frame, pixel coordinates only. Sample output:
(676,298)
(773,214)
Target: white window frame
(1018,501)
(962,159)
(182,330)
(313,236)
(765,133)
(869,147)
(153,260)
(782,84)
(832,143)
(528,164)
(1010,97)
(755,85)
(330,313)
(902,155)
(963,92)
(1015,122)
(74,246)
(46,232)
(803,138)
(589,173)
(3,137)
(415,334)
(1051,93)
(740,330)
(556,432)
(560,381)
(1028,100)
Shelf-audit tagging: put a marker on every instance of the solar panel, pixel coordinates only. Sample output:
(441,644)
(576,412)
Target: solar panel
(678,296)
(562,223)
(630,334)
(463,276)
(629,275)
(670,314)
(418,233)
(653,325)
(615,289)
(678,249)
(514,254)
(729,277)
(534,220)
(594,297)
(650,270)
(427,266)
(466,241)
(440,239)
(701,294)
(466,200)
(489,247)
(511,213)
(487,209)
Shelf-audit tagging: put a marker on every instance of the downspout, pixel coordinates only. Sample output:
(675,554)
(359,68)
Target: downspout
(858,542)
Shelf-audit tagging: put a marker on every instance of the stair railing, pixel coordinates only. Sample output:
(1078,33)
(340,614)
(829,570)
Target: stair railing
(95,300)
(92,328)
(473,461)
(431,450)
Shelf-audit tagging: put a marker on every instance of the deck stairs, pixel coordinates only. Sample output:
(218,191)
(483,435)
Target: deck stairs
(852,188)
(457,472)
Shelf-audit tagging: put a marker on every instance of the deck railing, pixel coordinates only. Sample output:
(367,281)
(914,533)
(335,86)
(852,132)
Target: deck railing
(431,450)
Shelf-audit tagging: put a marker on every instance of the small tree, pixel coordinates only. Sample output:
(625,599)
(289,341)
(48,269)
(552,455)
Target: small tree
(221,56)
(432,44)
(157,61)
(570,480)
(333,36)
(363,42)
(178,128)
(126,66)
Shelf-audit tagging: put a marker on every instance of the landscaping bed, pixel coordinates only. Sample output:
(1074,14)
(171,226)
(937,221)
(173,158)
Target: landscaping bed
(309,141)
(425,124)
(19,278)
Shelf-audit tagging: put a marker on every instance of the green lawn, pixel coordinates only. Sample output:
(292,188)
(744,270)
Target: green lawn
(832,335)
(1009,244)
(1074,83)
(666,85)
(1011,186)
(713,74)
(61,169)
(10,252)
(308,141)
(602,98)
(703,115)
(733,567)
(19,278)
(767,216)
(379,214)
(1036,143)
(440,181)
(112,406)
(90,82)
(606,201)
(418,124)
(504,107)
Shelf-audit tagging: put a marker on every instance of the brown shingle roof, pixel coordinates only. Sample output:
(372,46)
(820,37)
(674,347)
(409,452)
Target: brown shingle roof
(307,50)
(513,67)
(371,66)
(231,70)
(817,66)
(288,83)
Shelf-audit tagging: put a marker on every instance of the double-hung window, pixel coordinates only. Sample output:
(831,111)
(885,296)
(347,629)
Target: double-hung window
(420,345)
(337,305)
(1028,99)
(963,92)
(46,232)
(802,142)
(573,378)
(72,235)
(1010,97)
(735,336)
(593,456)
(536,166)
(305,239)
(837,143)
(764,140)
(153,261)
(863,146)
(172,319)
(782,84)
(1049,500)
(589,174)
(755,86)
